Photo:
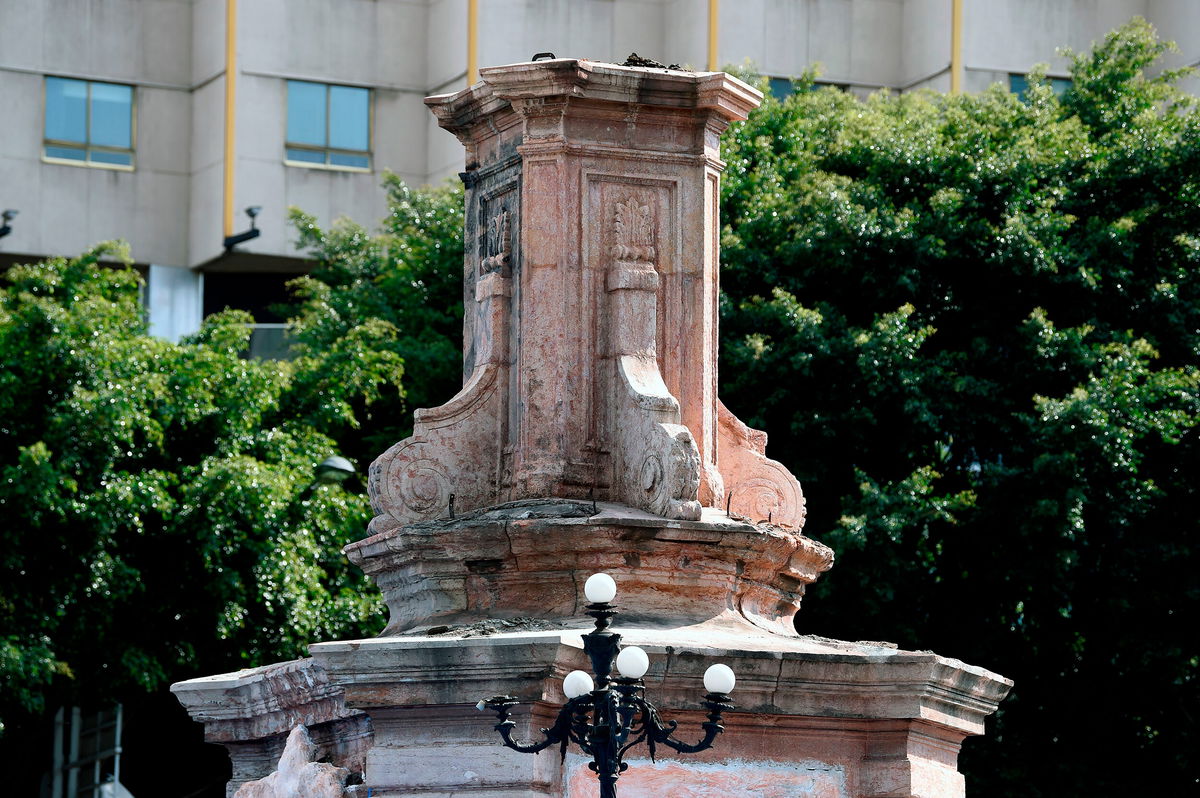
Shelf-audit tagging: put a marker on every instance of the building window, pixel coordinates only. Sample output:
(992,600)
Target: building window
(1019,85)
(269,341)
(328,125)
(87,754)
(782,88)
(89,122)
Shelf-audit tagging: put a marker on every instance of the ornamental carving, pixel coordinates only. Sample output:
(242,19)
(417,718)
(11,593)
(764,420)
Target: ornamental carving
(496,255)
(633,232)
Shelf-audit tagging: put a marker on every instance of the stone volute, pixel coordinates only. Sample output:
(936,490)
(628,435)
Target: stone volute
(588,434)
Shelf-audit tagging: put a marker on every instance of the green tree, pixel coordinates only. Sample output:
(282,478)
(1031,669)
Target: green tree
(970,325)
(161,518)
(408,277)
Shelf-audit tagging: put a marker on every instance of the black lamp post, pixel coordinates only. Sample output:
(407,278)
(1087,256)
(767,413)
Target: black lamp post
(611,715)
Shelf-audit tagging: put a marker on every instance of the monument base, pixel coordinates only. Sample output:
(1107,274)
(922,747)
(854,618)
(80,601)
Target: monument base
(530,558)
(814,716)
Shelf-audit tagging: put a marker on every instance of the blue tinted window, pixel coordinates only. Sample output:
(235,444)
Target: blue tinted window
(309,156)
(328,125)
(70,153)
(306,113)
(105,156)
(89,121)
(66,109)
(782,87)
(349,117)
(1019,85)
(112,120)
(349,159)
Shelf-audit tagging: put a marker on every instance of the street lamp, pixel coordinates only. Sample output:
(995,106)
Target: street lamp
(334,469)
(6,223)
(607,716)
(232,241)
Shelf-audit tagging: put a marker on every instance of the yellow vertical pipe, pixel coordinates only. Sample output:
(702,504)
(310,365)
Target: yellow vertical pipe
(956,62)
(713,27)
(472,42)
(230,88)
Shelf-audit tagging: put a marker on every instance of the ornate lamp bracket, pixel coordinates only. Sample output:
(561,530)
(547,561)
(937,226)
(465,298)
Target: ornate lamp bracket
(607,715)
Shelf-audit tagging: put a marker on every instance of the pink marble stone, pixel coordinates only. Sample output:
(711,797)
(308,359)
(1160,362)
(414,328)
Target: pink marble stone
(590,288)
(530,559)
(754,779)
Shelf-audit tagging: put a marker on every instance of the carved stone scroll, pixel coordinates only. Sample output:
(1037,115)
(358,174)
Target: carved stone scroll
(762,489)
(455,448)
(657,463)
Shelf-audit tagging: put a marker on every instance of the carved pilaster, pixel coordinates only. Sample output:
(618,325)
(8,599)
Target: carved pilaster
(593,191)
(655,458)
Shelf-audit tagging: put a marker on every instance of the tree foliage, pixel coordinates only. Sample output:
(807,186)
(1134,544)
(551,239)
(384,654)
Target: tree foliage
(161,515)
(971,325)
(406,276)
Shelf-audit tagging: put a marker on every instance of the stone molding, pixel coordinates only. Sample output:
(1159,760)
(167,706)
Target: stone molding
(259,702)
(530,559)
(892,721)
(252,711)
(798,677)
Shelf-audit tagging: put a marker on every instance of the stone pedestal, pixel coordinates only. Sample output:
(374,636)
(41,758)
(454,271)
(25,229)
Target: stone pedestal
(815,717)
(588,437)
(590,288)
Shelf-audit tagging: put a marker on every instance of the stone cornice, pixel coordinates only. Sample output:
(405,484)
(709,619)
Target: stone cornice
(566,80)
(259,702)
(529,558)
(799,676)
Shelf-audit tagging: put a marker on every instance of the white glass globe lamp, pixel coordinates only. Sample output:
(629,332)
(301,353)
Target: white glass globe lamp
(577,683)
(719,678)
(632,662)
(600,589)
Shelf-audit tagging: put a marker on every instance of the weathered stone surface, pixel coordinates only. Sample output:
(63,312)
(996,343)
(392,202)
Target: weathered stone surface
(531,558)
(867,718)
(299,775)
(590,285)
(808,778)
(252,711)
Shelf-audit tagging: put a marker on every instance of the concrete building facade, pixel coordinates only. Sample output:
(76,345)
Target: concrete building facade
(217,119)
